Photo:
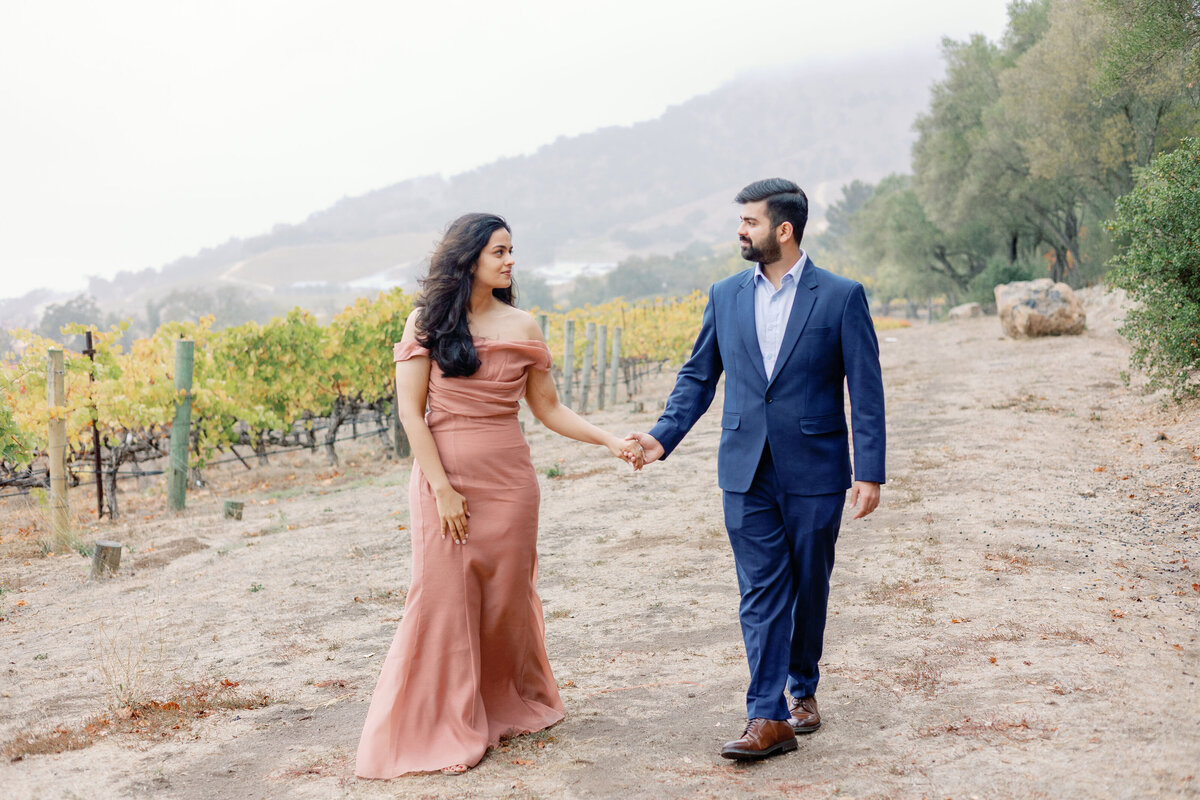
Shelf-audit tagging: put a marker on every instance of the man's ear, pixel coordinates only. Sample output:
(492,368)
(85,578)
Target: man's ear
(786,232)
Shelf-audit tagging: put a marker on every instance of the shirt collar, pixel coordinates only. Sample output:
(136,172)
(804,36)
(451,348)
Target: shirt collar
(795,271)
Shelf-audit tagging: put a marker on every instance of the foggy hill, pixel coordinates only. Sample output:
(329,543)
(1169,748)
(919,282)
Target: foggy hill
(651,187)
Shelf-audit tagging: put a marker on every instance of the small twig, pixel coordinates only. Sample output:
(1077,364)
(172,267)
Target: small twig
(644,686)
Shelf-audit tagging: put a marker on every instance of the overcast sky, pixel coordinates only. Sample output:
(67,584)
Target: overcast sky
(136,132)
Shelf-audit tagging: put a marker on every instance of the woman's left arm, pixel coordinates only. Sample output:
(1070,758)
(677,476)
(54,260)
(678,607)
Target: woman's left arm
(543,401)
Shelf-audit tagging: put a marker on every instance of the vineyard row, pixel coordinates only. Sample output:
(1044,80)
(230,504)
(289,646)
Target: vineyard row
(272,386)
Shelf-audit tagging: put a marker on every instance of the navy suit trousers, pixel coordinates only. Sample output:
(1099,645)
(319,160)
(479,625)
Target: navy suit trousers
(783,547)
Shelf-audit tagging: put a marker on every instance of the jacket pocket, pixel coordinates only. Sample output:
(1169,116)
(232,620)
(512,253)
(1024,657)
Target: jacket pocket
(730,420)
(830,423)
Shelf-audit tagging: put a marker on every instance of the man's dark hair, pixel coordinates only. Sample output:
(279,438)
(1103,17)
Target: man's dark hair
(786,202)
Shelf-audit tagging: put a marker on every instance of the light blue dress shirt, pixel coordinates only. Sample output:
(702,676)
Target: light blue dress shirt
(772,307)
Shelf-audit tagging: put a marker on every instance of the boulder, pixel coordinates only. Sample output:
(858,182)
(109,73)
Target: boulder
(1039,308)
(965,311)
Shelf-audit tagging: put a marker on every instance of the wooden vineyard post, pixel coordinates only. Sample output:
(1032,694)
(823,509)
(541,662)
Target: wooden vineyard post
(615,366)
(57,455)
(585,380)
(568,370)
(90,352)
(106,558)
(601,348)
(544,323)
(177,468)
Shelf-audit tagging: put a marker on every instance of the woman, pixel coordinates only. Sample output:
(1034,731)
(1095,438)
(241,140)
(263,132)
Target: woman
(468,663)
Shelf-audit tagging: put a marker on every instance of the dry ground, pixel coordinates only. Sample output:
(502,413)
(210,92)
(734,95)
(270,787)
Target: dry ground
(1019,619)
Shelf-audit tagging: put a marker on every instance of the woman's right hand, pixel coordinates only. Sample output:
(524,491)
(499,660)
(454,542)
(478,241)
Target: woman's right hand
(452,510)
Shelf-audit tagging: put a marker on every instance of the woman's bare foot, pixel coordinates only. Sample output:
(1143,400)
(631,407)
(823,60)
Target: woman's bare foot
(455,769)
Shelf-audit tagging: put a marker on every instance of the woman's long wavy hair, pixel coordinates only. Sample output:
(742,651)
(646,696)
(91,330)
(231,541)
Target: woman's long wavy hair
(446,293)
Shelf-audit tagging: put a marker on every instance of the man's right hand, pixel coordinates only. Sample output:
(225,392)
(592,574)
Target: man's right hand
(654,450)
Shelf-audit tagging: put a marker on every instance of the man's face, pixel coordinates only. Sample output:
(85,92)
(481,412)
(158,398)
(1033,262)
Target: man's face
(756,234)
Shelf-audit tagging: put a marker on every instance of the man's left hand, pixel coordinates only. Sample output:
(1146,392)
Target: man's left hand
(866,492)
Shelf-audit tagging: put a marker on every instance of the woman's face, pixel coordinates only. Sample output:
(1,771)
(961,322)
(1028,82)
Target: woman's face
(493,269)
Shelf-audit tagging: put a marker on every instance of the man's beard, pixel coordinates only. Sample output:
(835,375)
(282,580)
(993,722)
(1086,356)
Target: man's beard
(769,253)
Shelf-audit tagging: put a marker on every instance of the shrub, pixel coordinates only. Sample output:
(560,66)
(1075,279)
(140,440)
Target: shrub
(1159,225)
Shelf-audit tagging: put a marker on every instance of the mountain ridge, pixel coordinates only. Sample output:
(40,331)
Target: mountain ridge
(651,187)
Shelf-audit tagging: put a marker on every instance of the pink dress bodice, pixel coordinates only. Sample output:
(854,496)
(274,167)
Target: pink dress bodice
(496,387)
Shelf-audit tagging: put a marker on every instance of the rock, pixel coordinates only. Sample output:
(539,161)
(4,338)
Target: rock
(965,311)
(1039,308)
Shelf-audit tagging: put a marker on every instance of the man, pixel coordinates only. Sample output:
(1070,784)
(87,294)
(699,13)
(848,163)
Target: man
(787,334)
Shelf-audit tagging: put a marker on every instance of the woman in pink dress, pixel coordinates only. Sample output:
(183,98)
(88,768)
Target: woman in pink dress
(468,664)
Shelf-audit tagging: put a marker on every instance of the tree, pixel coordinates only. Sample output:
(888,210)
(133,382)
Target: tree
(1075,124)
(839,215)
(692,268)
(969,164)
(227,305)
(832,248)
(1149,32)
(919,258)
(1159,221)
(962,174)
(81,309)
(534,292)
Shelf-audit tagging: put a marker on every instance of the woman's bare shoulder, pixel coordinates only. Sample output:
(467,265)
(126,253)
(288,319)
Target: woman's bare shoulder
(527,325)
(411,325)
(513,323)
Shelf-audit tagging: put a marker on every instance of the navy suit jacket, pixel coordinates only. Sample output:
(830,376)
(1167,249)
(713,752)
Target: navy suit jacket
(829,340)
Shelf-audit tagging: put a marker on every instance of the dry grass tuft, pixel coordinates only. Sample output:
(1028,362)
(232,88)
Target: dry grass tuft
(920,676)
(1008,632)
(902,593)
(1070,634)
(1004,561)
(331,764)
(151,719)
(1021,730)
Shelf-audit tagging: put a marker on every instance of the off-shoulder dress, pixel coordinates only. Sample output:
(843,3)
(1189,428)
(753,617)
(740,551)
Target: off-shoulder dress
(468,663)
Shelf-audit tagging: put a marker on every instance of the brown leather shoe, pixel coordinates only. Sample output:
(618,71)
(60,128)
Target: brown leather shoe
(805,717)
(762,738)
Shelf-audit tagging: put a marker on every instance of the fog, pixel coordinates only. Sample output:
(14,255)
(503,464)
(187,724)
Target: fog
(138,132)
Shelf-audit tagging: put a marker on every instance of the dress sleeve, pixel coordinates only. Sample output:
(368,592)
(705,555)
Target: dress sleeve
(403,351)
(542,360)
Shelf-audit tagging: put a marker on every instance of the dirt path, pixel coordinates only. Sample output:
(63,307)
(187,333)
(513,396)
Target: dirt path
(1019,619)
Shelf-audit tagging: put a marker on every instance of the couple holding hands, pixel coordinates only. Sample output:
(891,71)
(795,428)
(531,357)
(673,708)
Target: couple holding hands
(468,664)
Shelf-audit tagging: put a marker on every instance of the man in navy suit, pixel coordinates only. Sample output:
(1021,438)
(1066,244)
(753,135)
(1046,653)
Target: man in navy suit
(788,335)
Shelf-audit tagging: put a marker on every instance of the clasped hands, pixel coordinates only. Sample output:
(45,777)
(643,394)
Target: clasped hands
(628,450)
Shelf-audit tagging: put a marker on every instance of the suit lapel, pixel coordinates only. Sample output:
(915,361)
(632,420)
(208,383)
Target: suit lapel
(802,306)
(745,324)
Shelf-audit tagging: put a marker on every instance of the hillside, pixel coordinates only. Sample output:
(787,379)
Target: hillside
(652,187)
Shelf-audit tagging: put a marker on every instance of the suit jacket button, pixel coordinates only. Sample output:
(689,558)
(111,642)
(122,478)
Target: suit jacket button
(770,399)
